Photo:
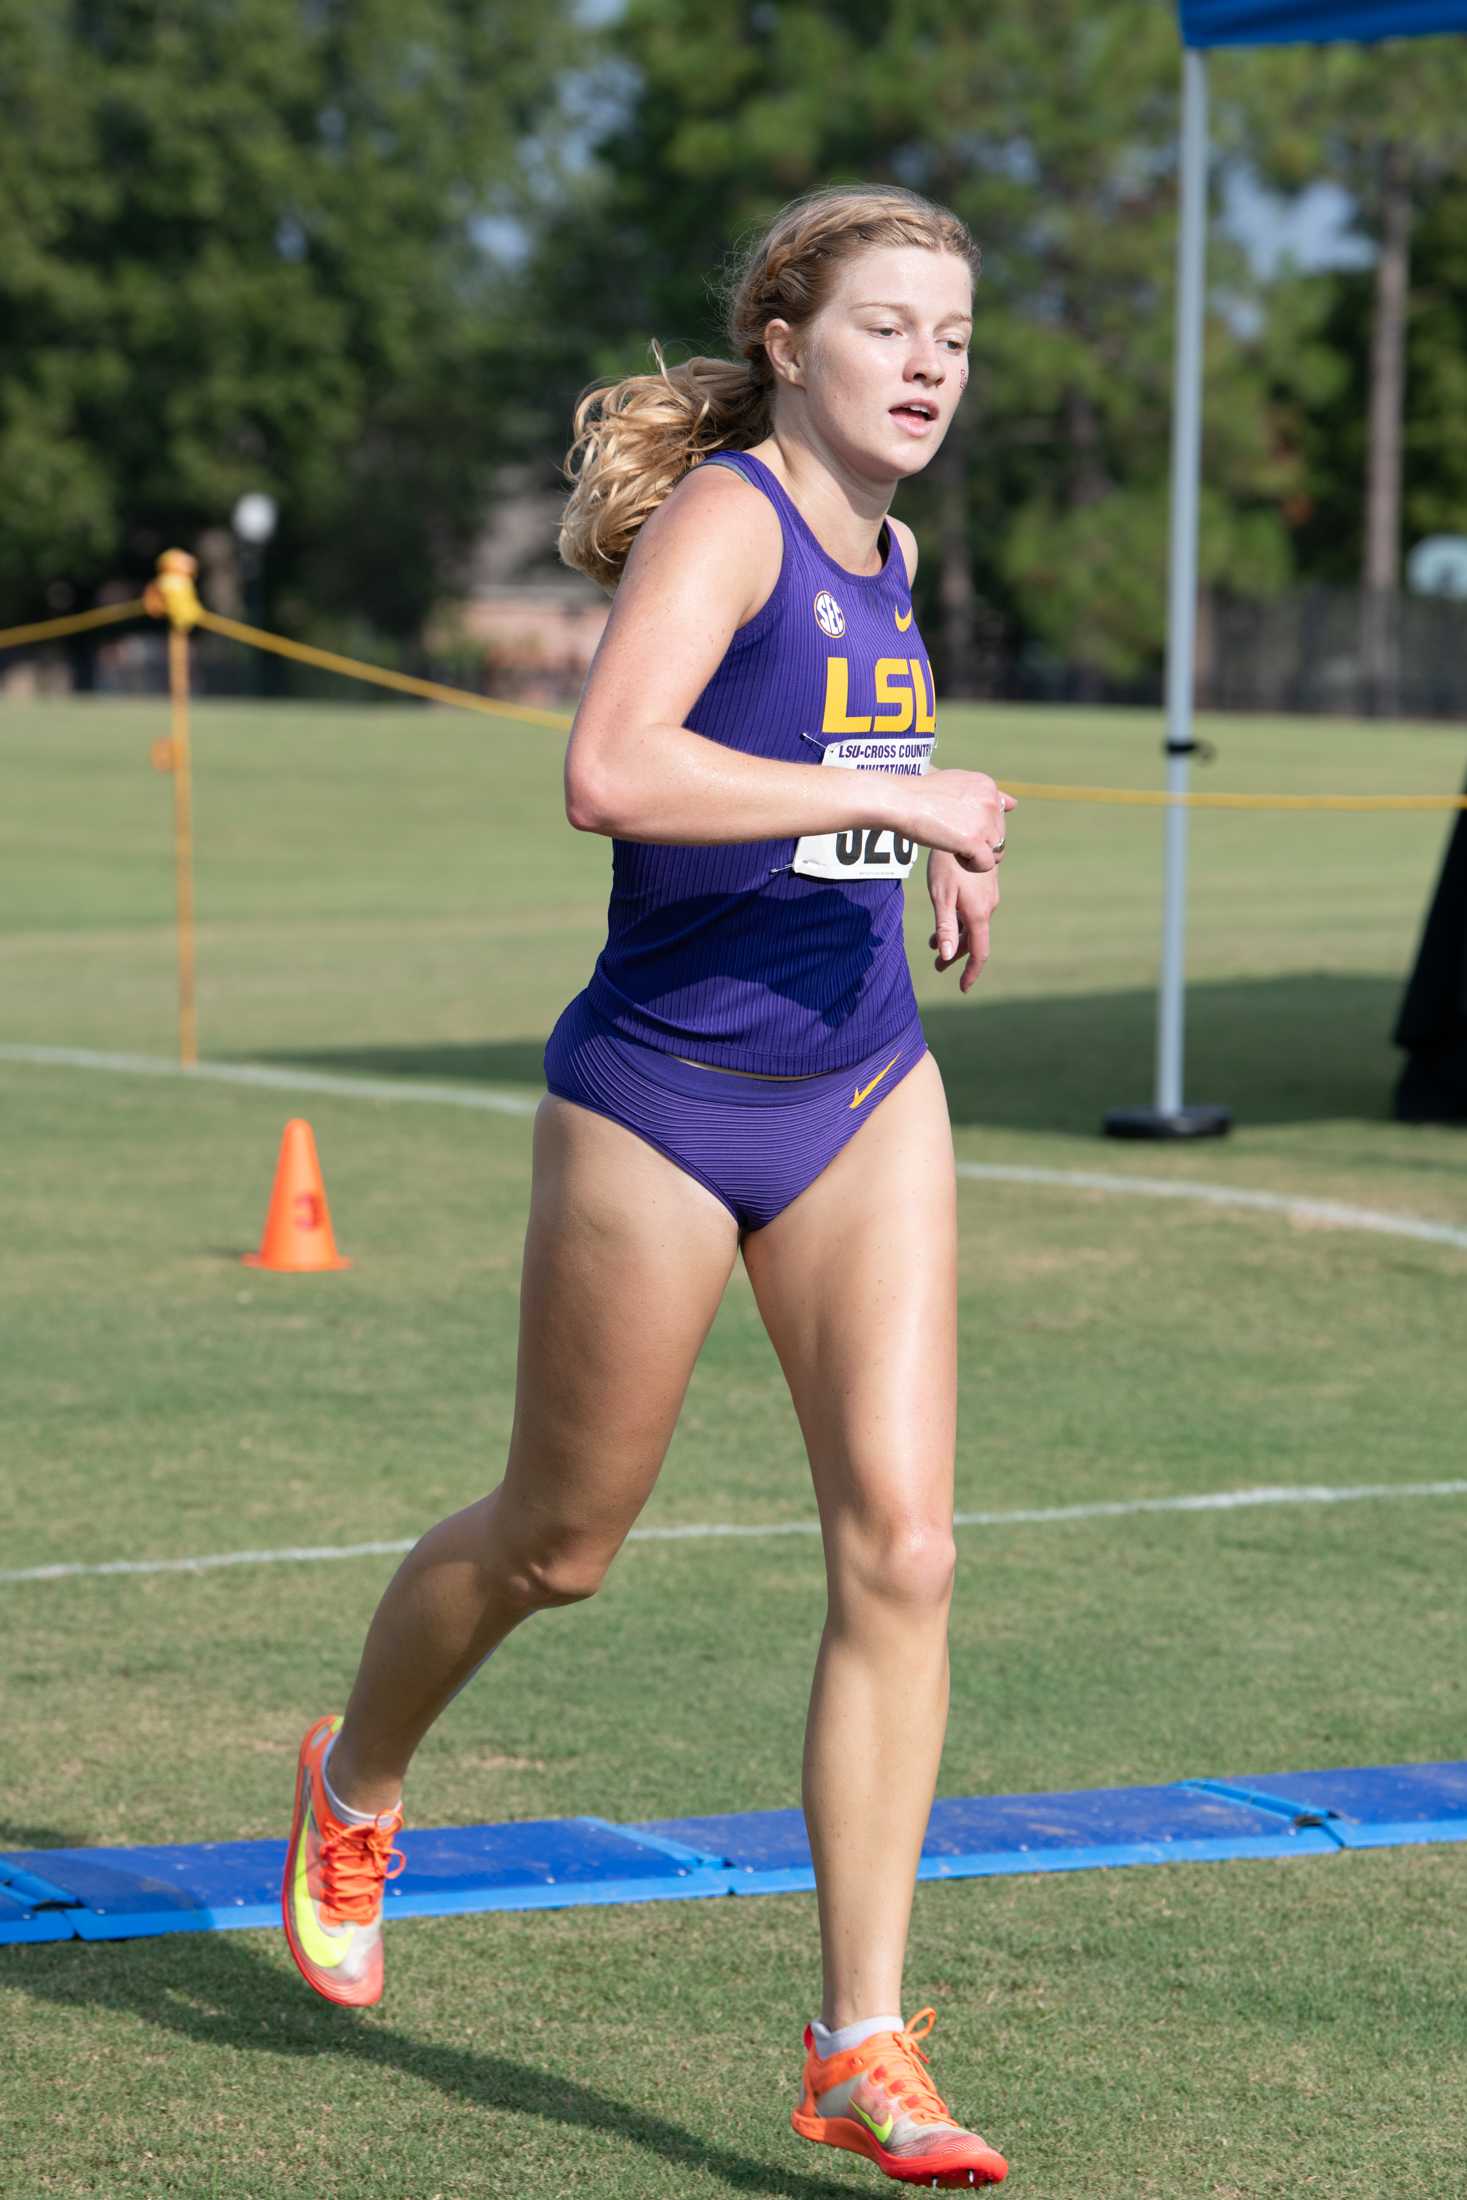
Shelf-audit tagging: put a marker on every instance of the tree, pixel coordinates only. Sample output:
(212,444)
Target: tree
(1388,122)
(241,247)
(1332,533)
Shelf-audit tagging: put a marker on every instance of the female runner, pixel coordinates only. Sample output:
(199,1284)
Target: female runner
(745,1074)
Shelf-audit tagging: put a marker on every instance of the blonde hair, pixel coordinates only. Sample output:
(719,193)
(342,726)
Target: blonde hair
(634,440)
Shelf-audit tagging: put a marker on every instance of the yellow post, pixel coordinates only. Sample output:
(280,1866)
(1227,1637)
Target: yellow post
(172,596)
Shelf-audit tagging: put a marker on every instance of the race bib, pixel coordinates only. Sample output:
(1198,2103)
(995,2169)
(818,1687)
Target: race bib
(866,851)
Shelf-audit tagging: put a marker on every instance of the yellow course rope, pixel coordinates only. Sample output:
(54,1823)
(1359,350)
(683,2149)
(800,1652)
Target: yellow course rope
(434,691)
(404,682)
(76,622)
(1159,799)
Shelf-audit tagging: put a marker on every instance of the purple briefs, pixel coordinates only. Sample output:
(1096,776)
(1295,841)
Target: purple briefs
(756,1143)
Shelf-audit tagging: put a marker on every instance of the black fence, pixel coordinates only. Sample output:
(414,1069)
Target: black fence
(1328,651)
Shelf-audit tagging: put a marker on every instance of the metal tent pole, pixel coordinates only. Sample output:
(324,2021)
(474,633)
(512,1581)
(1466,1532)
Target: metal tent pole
(1169,1118)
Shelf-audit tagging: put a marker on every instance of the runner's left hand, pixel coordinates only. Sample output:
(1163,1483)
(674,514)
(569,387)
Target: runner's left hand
(963,901)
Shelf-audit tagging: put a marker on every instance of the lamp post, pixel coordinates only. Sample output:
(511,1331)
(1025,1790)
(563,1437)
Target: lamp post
(253,520)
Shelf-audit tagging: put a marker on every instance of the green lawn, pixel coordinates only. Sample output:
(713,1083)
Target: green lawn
(393,892)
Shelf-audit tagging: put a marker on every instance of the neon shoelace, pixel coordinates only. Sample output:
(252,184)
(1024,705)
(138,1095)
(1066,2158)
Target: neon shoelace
(356,1863)
(908,2086)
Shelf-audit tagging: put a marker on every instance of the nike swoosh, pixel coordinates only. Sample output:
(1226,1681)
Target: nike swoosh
(324,1948)
(903,623)
(882,2131)
(867,1090)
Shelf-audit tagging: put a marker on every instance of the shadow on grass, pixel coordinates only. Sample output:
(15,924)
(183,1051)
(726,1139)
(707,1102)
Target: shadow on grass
(1298,1049)
(218,1991)
(16,1836)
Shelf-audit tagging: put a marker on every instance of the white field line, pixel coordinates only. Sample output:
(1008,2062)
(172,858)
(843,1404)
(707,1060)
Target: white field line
(262,1074)
(1327,1212)
(1122,1508)
(1331,1212)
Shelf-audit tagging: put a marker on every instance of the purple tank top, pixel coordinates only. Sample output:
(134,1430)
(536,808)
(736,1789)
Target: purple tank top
(784,957)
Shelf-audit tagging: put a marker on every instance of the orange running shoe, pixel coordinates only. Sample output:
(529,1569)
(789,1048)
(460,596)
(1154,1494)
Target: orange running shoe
(879,2101)
(331,1899)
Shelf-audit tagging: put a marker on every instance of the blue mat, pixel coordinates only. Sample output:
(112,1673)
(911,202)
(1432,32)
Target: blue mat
(1376,1807)
(556,1863)
(977,1836)
(31,1908)
(214,1886)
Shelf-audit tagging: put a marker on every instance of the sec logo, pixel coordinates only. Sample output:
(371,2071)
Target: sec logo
(829,616)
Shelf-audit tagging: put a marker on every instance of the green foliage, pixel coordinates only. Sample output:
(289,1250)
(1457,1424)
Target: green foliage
(1298,114)
(1302,111)
(1435,484)
(243,246)
(240,249)
(1436,437)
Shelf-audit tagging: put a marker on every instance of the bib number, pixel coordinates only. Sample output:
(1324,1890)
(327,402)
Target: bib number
(864,851)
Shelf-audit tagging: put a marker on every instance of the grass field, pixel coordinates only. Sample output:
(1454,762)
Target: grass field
(394,893)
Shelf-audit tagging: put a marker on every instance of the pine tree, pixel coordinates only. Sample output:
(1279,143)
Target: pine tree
(1389,123)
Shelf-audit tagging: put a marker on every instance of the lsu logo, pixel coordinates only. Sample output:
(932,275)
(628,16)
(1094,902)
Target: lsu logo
(829,616)
(902,701)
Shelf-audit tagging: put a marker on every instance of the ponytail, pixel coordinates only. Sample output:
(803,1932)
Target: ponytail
(635,440)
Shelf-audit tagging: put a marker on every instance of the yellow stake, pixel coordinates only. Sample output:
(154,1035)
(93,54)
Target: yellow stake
(172,595)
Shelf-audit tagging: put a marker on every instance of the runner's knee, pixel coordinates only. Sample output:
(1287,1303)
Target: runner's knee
(553,1571)
(899,1561)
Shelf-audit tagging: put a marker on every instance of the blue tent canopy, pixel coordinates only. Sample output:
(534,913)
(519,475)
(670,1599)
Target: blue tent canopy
(1315,22)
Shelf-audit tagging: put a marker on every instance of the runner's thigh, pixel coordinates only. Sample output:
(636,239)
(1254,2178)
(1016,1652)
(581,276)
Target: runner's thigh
(856,1282)
(626,1259)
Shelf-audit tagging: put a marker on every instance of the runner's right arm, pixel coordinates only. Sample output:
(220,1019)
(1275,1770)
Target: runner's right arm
(703,566)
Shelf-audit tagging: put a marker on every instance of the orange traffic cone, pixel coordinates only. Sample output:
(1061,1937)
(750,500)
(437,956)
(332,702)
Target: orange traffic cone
(298,1235)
